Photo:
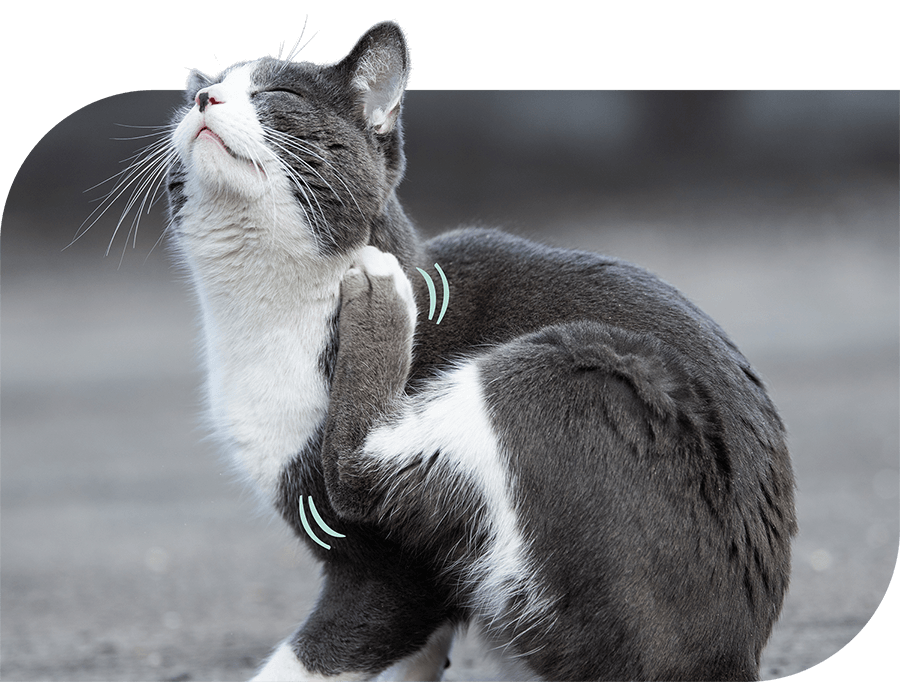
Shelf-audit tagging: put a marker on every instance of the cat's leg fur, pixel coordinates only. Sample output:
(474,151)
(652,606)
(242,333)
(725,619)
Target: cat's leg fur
(284,666)
(373,616)
(368,618)
(425,665)
(381,443)
(377,321)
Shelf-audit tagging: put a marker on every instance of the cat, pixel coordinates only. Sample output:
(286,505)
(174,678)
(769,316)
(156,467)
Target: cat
(572,455)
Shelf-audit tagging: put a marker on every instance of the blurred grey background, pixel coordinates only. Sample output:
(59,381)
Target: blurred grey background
(127,552)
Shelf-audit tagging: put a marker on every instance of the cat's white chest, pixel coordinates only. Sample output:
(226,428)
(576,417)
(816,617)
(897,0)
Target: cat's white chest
(267,308)
(267,296)
(266,389)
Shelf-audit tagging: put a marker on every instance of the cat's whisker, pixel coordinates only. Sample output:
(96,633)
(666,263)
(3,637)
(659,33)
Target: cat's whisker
(252,156)
(260,167)
(318,222)
(296,49)
(157,196)
(161,160)
(148,163)
(138,137)
(150,170)
(168,127)
(309,166)
(305,190)
(153,181)
(299,179)
(162,235)
(304,146)
(315,222)
(106,196)
(132,161)
(146,178)
(161,132)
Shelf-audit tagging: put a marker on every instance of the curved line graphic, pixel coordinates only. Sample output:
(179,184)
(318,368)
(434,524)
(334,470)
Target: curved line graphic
(431,293)
(446,294)
(322,524)
(307,528)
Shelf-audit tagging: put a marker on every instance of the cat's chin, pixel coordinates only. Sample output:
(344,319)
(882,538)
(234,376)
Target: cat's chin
(207,138)
(207,134)
(220,169)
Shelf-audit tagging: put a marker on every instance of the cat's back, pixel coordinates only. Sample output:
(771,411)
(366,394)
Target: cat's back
(501,286)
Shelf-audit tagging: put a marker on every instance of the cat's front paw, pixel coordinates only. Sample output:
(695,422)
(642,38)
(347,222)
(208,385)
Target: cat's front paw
(284,666)
(377,274)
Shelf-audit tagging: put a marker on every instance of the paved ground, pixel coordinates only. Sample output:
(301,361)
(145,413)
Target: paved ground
(127,554)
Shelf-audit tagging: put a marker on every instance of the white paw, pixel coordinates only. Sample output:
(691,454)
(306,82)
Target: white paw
(283,666)
(376,263)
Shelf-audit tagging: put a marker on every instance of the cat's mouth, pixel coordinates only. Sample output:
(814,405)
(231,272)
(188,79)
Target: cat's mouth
(207,133)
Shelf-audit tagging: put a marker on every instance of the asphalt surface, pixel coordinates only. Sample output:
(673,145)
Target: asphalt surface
(129,554)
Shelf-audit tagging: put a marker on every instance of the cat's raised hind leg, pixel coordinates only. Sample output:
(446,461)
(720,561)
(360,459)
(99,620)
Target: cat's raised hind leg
(381,609)
(375,333)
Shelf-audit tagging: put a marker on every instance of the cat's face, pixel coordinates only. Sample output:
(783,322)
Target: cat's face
(324,137)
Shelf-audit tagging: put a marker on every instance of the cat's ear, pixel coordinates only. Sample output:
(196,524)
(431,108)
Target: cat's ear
(196,81)
(378,68)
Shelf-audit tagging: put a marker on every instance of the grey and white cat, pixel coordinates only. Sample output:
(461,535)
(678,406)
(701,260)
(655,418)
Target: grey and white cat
(576,458)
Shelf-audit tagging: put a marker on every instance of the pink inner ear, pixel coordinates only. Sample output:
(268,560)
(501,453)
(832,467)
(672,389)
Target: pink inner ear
(388,121)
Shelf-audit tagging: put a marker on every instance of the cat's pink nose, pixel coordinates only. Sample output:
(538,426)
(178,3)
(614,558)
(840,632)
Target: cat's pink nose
(203,99)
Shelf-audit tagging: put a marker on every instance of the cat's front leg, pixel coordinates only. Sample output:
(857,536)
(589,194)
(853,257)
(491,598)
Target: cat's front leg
(375,334)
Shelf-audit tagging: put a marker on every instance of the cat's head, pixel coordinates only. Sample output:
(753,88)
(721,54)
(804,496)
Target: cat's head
(327,137)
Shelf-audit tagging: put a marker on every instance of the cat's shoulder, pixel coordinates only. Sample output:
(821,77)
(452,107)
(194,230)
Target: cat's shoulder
(480,243)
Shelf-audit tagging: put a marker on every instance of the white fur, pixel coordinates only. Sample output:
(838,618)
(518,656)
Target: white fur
(266,296)
(452,418)
(283,666)
(233,120)
(378,263)
(266,393)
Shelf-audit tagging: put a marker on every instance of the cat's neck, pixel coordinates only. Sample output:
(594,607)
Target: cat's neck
(393,232)
(268,302)
(247,252)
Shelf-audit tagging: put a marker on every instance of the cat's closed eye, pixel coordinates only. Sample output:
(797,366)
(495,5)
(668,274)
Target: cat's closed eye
(284,90)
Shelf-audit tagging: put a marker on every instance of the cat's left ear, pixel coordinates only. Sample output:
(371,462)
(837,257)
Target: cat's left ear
(378,68)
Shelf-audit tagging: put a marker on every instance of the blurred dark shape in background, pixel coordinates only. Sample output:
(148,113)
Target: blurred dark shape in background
(501,155)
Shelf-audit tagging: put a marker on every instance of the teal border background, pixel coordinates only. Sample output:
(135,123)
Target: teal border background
(59,57)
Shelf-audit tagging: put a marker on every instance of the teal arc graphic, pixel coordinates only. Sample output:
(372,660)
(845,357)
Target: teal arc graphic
(432,293)
(318,519)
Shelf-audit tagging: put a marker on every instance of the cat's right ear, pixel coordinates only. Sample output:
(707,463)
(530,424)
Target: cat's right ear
(378,68)
(196,81)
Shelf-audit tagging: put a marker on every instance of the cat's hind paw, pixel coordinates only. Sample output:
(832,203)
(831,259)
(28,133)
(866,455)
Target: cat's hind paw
(372,264)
